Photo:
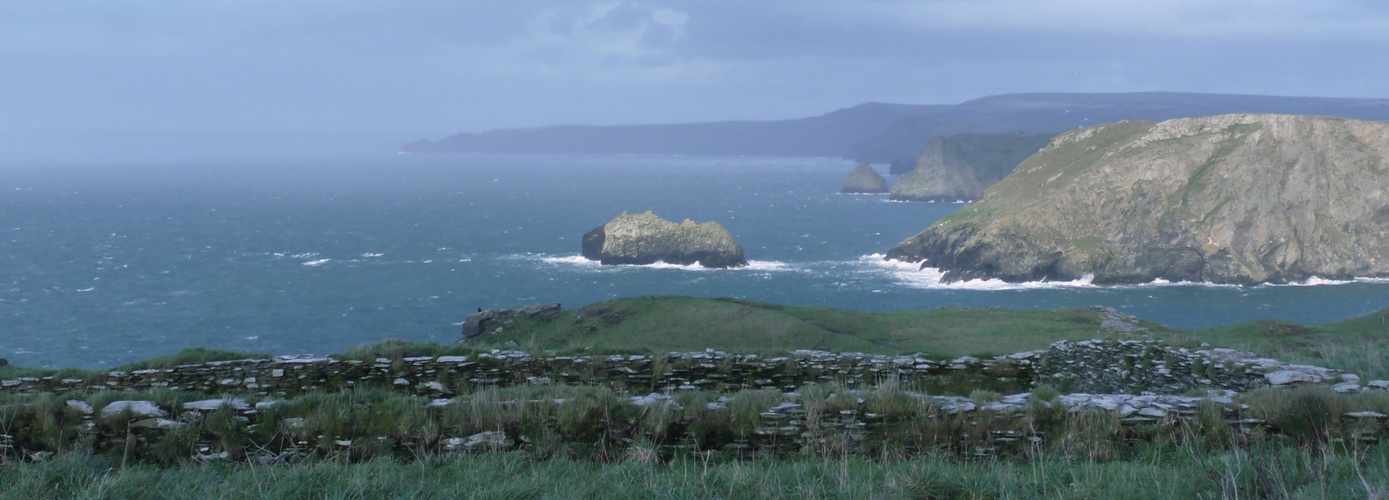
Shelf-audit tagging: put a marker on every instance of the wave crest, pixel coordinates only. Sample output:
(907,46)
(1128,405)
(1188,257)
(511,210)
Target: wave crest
(581,261)
(913,275)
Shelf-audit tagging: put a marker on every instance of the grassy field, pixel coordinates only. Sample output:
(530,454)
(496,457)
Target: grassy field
(598,445)
(657,324)
(660,324)
(1161,473)
(664,324)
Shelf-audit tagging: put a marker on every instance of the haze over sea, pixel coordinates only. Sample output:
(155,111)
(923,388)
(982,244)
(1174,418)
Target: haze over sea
(107,262)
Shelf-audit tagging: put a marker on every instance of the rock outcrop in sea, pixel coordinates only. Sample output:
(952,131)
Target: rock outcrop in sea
(1239,199)
(646,239)
(864,180)
(961,167)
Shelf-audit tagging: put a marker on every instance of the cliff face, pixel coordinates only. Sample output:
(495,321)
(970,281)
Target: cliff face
(646,239)
(864,180)
(961,167)
(1241,199)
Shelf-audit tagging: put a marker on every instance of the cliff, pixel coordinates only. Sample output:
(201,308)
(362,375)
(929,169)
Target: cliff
(864,180)
(878,132)
(961,167)
(1241,199)
(646,239)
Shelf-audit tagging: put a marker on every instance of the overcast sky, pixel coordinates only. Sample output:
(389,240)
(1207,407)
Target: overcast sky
(429,69)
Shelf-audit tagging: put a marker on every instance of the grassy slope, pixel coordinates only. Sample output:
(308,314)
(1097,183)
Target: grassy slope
(657,324)
(1359,344)
(662,324)
(684,323)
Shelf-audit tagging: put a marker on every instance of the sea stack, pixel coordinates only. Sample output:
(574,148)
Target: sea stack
(961,167)
(864,180)
(1239,199)
(646,239)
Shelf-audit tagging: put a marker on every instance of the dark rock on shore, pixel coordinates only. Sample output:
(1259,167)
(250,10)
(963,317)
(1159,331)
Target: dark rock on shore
(494,320)
(961,167)
(1240,199)
(646,239)
(864,180)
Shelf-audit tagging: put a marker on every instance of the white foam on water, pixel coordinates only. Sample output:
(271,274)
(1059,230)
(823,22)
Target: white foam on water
(369,255)
(581,261)
(315,263)
(87,289)
(573,260)
(308,255)
(913,275)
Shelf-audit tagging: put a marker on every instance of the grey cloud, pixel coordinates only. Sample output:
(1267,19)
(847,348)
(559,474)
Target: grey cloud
(433,68)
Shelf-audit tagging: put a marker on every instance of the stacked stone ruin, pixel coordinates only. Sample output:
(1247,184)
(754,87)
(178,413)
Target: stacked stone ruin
(1137,381)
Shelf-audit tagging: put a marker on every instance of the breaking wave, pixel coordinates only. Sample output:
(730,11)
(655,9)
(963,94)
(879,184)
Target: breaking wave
(580,261)
(913,275)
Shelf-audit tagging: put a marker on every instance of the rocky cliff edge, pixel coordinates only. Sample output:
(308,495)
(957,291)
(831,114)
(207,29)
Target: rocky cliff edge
(1241,199)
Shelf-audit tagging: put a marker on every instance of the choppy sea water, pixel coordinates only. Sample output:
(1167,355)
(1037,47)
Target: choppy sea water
(102,264)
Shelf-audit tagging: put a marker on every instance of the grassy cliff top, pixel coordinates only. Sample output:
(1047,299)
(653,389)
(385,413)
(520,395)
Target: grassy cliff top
(666,324)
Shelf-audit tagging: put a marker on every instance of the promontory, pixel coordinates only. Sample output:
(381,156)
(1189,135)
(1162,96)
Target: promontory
(646,239)
(1240,199)
(961,167)
(864,180)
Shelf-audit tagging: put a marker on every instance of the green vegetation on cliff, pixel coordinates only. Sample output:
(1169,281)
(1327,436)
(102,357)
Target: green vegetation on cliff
(1242,199)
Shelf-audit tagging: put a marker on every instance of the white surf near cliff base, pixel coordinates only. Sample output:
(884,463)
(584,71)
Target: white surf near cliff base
(913,275)
(581,261)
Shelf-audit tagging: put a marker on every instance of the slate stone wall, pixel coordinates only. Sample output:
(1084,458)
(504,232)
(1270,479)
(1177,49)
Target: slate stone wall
(1094,366)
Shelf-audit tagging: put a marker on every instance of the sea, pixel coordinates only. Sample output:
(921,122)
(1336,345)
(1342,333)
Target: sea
(107,262)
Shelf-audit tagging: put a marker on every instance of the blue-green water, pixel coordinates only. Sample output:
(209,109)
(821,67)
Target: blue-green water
(105,264)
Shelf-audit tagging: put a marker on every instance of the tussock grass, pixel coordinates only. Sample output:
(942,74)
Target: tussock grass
(1161,473)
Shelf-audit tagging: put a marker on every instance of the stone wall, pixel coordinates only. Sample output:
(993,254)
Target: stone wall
(1134,381)
(1095,366)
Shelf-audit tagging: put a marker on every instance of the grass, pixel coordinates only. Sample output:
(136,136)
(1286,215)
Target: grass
(663,324)
(1358,345)
(654,325)
(1158,472)
(598,444)
(192,356)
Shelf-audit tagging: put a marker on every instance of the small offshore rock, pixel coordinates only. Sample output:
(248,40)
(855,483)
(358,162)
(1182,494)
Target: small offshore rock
(647,239)
(864,180)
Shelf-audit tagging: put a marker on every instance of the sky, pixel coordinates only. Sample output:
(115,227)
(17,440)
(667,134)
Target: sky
(424,69)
